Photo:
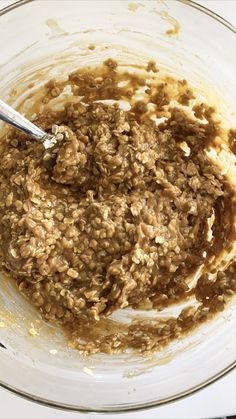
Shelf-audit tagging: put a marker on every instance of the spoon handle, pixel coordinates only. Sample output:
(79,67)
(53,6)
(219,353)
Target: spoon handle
(12,117)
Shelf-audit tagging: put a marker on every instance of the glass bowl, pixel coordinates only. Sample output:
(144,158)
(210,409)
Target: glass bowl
(40,40)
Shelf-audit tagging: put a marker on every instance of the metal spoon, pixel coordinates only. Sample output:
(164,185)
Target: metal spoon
(14,118)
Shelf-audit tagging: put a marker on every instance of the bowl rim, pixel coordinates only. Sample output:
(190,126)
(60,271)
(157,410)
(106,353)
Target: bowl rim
(148,405)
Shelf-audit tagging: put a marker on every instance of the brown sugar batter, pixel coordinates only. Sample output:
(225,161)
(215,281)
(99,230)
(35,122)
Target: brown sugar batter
(118,215)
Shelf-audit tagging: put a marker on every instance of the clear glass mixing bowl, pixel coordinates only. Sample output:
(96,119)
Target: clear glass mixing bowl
(43,39)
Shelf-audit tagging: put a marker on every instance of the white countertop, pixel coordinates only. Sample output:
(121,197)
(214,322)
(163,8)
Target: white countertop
(218,399)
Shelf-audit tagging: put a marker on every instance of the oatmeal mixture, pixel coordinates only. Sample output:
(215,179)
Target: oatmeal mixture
(118,214)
